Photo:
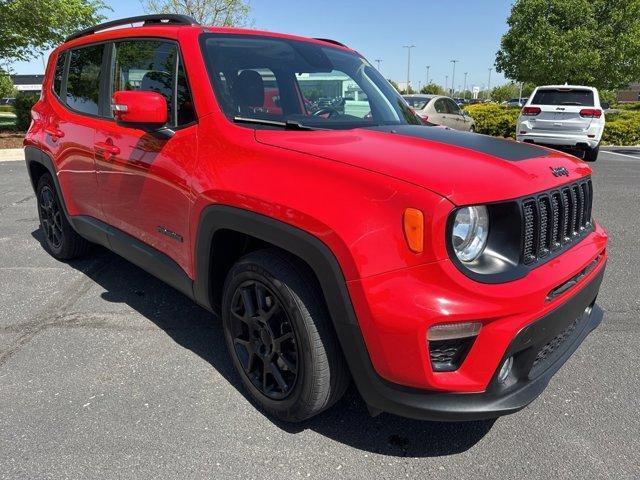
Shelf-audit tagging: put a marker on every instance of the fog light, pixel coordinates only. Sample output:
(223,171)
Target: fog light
(505,370)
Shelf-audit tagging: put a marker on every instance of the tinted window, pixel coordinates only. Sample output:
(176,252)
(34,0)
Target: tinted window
(146,65)
(440,106)
(83,81)
(452,107)
(150,65)
(185,109)
(59,72)
(563,96)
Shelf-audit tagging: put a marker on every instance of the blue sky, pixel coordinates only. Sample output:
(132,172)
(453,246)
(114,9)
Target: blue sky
(465,30)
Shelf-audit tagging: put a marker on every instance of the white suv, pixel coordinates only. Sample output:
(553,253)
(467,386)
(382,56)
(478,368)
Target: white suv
(567,116)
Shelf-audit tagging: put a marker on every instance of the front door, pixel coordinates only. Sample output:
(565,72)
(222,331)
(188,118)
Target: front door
(143,177)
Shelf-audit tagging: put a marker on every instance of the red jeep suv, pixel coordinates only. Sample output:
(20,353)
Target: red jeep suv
(284,184)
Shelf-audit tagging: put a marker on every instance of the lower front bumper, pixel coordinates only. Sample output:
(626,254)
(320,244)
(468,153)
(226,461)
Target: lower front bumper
(558,334)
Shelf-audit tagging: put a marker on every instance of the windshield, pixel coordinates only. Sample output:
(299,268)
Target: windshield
(563,96)
(288,81)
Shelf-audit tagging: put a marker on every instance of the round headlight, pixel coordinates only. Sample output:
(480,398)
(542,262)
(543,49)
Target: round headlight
(470,232)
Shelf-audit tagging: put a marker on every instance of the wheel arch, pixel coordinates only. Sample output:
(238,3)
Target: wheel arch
(38,163)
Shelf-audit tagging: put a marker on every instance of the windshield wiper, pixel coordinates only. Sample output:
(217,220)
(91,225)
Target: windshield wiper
(287,125)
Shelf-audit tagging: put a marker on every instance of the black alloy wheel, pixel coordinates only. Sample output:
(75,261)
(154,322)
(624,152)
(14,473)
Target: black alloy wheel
(264,340)
(50,217)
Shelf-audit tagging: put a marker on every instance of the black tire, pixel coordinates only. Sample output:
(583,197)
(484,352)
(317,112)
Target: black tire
(591,154)
(60,239)
(309,362)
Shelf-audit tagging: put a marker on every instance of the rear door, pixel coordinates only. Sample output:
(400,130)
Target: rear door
(456,118)
(70,125)
(144,178)
(560,109)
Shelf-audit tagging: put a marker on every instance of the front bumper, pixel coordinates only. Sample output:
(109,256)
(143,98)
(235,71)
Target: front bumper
(564,328)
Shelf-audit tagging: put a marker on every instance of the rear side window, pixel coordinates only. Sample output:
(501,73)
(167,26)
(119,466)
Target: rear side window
(59,73)
(440,106)
(83,81)
(563,96)
(153,65)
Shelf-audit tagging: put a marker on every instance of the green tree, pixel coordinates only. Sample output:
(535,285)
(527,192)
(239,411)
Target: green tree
(28,28)
(432,88)
(505,92)
(225,13)
(591,42)
(6,86)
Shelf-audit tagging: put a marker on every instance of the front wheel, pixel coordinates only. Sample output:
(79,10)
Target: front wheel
(279,334)
(591,154)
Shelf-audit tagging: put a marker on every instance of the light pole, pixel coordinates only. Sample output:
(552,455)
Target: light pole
(453,77)
(446,83)
(464,90)
(408,47)
(428,67)
(378,61)
(489,85)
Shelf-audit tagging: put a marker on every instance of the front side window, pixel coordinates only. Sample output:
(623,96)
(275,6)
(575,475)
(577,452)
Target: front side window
(151,65)
(83,82)
(452,107)
(281,80)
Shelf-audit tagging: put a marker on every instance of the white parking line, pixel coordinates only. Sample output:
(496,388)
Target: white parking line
(622,154)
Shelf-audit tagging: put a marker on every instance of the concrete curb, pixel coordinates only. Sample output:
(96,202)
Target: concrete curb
(11,154)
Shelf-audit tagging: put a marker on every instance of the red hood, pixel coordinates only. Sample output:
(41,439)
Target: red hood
(465,168)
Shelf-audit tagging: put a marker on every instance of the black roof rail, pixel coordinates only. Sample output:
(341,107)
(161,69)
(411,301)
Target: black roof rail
(328,40)
(161,18)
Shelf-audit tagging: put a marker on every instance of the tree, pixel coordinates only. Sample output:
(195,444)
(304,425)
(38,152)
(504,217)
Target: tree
(432,88)
(6,86)
(589,42)
(505,92)
(224,13)
(29,28)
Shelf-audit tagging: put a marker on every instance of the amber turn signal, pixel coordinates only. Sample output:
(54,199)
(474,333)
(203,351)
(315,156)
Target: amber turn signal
(413,223)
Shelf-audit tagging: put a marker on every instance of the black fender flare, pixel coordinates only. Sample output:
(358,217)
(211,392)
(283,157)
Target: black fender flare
(311,250)
(35,155)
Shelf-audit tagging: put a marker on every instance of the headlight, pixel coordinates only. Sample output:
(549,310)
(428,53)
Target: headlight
(470,232)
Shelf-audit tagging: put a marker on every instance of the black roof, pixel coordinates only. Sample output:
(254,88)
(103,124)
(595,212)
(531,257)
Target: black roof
(27,79)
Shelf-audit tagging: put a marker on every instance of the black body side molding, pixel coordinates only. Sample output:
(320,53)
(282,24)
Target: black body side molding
(144,256)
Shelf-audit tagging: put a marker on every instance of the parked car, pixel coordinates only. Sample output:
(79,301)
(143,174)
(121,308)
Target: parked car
(516,102)
(7,101)
(412,260)
(440,110)
(564,116)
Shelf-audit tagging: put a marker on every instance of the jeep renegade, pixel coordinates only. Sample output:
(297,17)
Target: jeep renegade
(283,183)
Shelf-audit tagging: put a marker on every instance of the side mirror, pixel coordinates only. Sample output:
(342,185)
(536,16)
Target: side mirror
(140,109)
(605,105)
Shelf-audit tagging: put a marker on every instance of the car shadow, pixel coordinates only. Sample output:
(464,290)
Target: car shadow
(200,331)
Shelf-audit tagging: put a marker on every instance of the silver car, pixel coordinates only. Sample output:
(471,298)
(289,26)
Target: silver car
(440,110)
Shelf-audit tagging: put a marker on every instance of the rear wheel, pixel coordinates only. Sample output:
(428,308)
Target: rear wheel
(60,239)
(591,154)
(279,334)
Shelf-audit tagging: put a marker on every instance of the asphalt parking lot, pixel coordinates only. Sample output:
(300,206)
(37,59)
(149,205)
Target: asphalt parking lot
(107,373)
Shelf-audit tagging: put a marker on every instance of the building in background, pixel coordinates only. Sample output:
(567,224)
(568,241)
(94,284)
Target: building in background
(632,94)
(28,83)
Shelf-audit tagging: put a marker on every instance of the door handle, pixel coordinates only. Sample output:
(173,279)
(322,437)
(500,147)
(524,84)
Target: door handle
(108,149)
(55,133)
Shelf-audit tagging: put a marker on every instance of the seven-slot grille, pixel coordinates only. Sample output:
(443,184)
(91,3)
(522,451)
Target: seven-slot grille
(555,218)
